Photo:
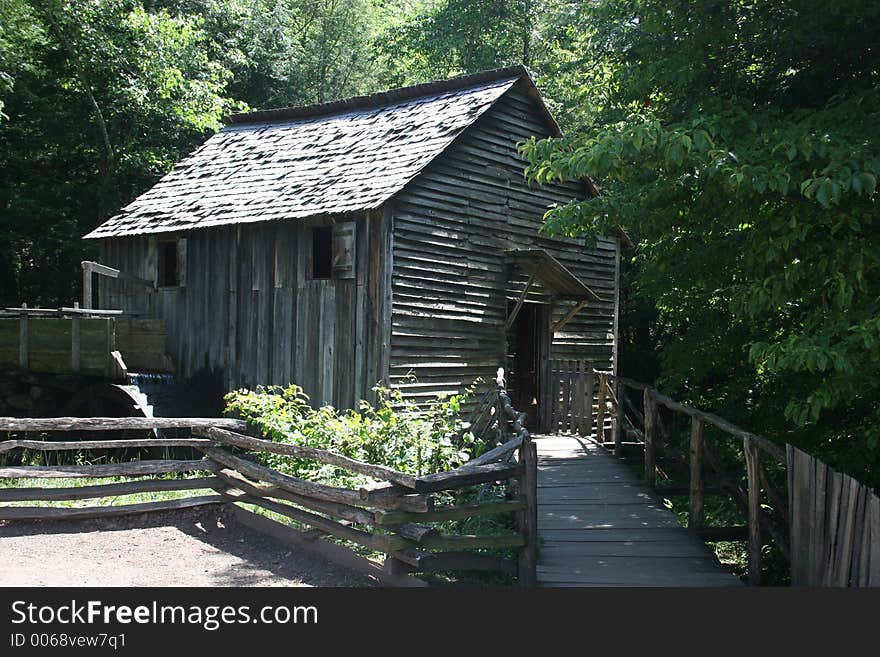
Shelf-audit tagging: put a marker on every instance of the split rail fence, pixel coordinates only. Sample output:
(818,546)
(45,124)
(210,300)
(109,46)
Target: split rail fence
(827,525)
(393,516)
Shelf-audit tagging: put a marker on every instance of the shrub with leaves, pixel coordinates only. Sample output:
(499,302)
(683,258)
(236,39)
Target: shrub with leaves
(394,432)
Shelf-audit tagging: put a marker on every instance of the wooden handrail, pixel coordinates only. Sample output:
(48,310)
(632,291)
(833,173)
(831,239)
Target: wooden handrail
(116,423)
(710,418)
(757,478)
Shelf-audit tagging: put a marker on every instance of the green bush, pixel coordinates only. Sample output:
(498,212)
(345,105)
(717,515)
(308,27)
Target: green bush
(394,432)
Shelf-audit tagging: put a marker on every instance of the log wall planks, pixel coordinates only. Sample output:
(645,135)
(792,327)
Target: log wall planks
(251,309)
(451,288)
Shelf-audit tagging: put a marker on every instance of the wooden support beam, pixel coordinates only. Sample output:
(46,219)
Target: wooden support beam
(618,423)
(119,365)
(87,284)
(600,410)
(258,472)
(650,409)
(337,553)
(80,445)
(301,451)
(467,476)
(129,469)
(696,516)
(528,517)
(75,341)
(84,513)
(34,494)
(379,543)
(589,386)
(444,514)
(558,326)
(347,512)
(519,303)
(98,268)
(499,453)
(115,423)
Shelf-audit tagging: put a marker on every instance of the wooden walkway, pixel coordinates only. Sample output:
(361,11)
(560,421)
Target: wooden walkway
(599,526)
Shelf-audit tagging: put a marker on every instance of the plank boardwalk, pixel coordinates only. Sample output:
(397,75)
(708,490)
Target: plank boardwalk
(599,526)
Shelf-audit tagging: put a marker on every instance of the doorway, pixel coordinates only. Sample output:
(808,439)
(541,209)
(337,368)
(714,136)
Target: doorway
(528,342)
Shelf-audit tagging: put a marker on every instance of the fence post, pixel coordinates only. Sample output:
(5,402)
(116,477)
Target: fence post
(650,408)
(588,399)
(528,517)
(600,410)
(696,516)
(87,285)
(618,420)
(499,406)
(750,449)
(75,340)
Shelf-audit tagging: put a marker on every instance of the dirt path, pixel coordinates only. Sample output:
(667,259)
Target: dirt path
(192,548)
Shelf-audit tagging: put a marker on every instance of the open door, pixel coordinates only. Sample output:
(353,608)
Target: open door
(528,341)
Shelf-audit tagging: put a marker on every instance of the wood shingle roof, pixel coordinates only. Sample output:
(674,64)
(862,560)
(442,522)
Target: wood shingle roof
(336,158)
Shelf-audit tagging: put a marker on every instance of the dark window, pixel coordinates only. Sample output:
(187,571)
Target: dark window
(322,252)
(169,275)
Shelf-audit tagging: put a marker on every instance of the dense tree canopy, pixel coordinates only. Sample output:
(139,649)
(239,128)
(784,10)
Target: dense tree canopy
(736,141)
(740,143)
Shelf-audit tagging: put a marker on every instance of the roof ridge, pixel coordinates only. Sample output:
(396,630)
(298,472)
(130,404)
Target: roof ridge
(381,98)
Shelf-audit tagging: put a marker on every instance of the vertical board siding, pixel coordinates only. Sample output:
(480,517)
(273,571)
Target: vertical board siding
(251,312)
(451,287)
(835,525)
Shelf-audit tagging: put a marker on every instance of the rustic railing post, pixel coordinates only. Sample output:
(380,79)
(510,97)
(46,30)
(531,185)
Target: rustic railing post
(528,517)
(87,284)
(600,410)
(750,449)
(650,408)
(75,340)
(618,420)
(696,516)
(499,405)
(588,399)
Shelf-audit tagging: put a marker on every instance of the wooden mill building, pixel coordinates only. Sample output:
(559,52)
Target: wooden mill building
(368,240)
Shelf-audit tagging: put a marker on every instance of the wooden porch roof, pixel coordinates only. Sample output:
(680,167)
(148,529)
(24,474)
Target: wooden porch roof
(551,273)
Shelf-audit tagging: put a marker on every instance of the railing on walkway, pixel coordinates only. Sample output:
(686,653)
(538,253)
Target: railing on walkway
(393,516)
(826,524)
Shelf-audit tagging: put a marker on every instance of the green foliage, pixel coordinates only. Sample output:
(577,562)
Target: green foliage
(458,36)
(394,432)
(298,52)
(741,148)
(106,96)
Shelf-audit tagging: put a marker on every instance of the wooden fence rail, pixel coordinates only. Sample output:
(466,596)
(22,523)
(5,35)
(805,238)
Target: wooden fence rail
(827,524)
(393,515)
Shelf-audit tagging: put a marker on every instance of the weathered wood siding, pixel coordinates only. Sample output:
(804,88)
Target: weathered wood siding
(451,288)
(250,309)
